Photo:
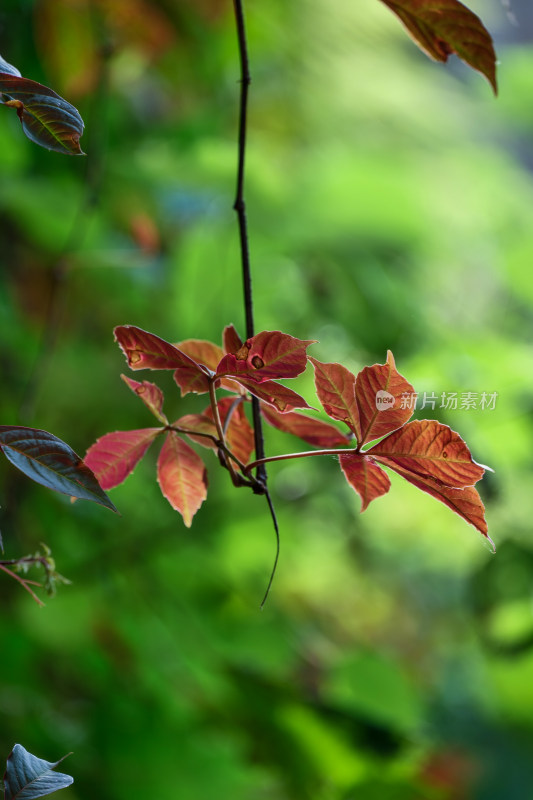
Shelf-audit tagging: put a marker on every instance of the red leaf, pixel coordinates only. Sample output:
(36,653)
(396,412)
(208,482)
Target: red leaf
(150,394)
(182,477)
(145,350)
(429,449)
(114,456)
(335,387)
(231,339)
(314,431)
(203,352)
(441,27)
(378,392)
(268,355)
(363,475)
(276,394)
(47,119)
(465,502)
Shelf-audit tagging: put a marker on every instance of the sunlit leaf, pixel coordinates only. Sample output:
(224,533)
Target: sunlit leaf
(28,777)
(145,350)
(382,396)
(314,431)
(47,119)
(189,379)
(114,456)
(335,387)
(266,356)
(441,27)
(430,449)
(202,351)
(150,394)
(465,502)
(182,477)
(365,476)
(51,462)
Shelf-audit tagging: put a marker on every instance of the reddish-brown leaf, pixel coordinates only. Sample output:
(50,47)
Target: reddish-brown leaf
(441,27)
(335,387)
(314,431)
(209,354)
(383,397)
(276,394)
(200,424)
(231,339)
(266,356)
(202,351)
(182,477)
(429,449)
(114,456)
(465,502)
(150,394)
(145,350)
(365,476)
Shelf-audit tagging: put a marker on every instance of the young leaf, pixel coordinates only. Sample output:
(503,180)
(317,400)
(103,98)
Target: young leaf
(46,118)
(465,502)
(314,431)
(335,387)
(365,476)
(150,394)
(275,394)
(51,462)
(430,449)
(378,392)
(28,777)
(231,339)
(114,456)
(182,477)
(145,350)
(268,355)
(208,354)
(441,27)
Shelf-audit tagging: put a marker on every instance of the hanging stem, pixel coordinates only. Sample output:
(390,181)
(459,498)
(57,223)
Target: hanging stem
(240,208)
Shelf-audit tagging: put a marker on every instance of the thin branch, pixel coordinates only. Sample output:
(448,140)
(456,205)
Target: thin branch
(240,208)
(276,558)
(286,456)
(23,582)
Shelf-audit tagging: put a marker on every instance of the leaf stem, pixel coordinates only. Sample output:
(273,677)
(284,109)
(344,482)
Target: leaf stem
(23,582)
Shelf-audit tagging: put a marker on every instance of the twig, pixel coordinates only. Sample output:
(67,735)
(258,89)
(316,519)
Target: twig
(276,558)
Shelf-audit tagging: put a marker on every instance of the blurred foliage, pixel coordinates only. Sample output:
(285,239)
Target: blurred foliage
(390,207)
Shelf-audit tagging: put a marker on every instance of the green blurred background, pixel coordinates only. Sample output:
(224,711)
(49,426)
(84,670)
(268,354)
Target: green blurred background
(390,206)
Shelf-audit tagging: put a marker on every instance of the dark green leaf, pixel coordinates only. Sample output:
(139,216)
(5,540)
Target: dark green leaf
(27,777)
(48,460)
(46,118)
